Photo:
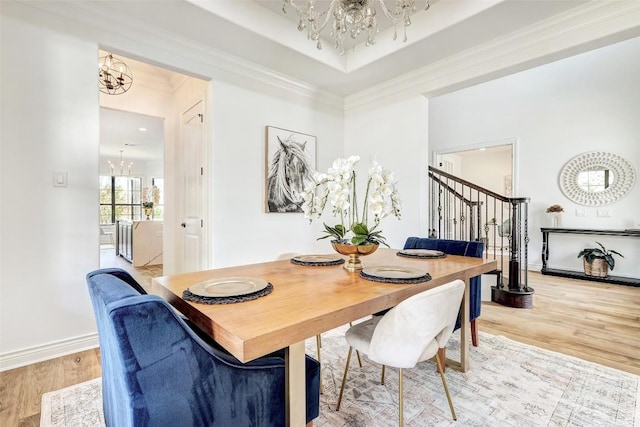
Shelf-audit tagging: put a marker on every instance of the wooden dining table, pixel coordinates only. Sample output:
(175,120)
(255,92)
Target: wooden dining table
(309,300)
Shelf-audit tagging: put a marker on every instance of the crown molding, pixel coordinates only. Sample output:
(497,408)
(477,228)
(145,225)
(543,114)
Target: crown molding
(580,29)
(149,43)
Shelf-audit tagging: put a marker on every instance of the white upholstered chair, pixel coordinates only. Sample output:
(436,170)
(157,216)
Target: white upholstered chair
(106,233)
(411,332)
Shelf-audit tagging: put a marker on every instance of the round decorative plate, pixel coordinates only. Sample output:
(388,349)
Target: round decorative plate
(317,260)
(421,253)
(394,272)
(228,286)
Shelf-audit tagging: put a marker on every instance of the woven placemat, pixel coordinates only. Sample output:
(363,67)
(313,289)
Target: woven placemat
(412,280)
(427,254)
(317,260)
(187,295)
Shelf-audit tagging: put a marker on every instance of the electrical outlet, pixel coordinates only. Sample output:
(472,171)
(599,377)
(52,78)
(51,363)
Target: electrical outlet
(581,213)
(605,213)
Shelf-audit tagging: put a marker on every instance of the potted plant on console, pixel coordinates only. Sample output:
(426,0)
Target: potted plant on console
(597,261)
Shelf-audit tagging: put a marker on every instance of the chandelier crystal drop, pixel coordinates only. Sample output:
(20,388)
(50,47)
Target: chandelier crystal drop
(350,17)
(114,76)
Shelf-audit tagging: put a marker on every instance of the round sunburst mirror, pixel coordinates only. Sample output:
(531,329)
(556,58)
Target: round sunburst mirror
(596,178)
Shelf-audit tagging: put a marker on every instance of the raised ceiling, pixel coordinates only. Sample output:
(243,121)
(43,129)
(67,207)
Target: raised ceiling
(259,32)
(256,32)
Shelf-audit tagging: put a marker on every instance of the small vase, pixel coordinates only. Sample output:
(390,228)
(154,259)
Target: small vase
(148,212)
(555,219)
(354,252)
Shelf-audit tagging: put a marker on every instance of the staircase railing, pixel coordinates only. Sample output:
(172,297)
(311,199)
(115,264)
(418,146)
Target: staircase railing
(462,210)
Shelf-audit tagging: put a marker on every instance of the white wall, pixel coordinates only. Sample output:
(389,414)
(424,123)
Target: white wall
(396,135)
(242,231)
(49,112)
(590,102)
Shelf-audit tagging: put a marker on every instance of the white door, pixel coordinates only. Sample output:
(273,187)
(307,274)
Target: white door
(193,158)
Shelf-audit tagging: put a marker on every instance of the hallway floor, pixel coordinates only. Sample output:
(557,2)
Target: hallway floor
(109,259)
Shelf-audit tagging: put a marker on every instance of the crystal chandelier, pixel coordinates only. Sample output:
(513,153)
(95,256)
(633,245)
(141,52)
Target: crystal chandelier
(114,75)
(351,17)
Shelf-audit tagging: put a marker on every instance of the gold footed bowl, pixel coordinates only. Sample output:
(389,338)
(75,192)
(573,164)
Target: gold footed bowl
(354,252)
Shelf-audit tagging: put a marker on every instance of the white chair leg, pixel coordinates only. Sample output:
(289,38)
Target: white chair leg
(344,379)
(357,352)
(400,400)
(446,389)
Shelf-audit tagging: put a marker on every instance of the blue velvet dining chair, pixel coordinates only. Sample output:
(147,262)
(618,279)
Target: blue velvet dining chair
(160,370)
(457,247)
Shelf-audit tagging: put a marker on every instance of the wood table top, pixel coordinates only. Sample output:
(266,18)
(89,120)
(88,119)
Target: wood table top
(305,301)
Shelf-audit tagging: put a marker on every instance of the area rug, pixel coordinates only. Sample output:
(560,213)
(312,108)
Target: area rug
(509,384)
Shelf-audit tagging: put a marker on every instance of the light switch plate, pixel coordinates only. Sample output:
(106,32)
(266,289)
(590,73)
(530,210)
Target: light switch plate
(59,179)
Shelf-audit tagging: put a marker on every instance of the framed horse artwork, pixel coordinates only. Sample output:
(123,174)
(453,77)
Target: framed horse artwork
(290,163)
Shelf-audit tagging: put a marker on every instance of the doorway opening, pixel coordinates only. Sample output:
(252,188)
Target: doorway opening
(141,171)
(131,177)
(491,165)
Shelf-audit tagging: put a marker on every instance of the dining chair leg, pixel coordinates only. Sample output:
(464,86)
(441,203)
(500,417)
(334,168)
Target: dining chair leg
(446,389)
(357,352)
(318,345)
(474,333)
(442,352)
(382,377)
(344,378)
(400,399)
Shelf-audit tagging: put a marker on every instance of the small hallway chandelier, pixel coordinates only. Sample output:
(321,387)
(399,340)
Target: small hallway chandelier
(115,77)
(129,167)
(351,17)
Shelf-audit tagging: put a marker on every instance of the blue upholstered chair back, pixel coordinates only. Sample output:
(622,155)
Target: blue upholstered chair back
(456,247)
(158,371)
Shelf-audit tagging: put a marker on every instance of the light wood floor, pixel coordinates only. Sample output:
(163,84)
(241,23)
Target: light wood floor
(590,320)
(585,319)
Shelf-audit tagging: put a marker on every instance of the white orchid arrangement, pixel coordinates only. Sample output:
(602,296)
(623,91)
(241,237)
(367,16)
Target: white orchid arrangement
(338,188)
(150,196)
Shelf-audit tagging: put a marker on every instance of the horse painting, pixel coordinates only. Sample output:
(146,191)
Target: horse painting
(288,173)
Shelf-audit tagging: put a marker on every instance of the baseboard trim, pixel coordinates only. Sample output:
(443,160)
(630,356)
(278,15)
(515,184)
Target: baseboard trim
(52,350)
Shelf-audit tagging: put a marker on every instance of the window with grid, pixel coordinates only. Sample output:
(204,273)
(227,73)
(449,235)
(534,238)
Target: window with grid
(120,199)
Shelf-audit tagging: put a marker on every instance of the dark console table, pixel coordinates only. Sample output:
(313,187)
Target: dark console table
(580,275)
